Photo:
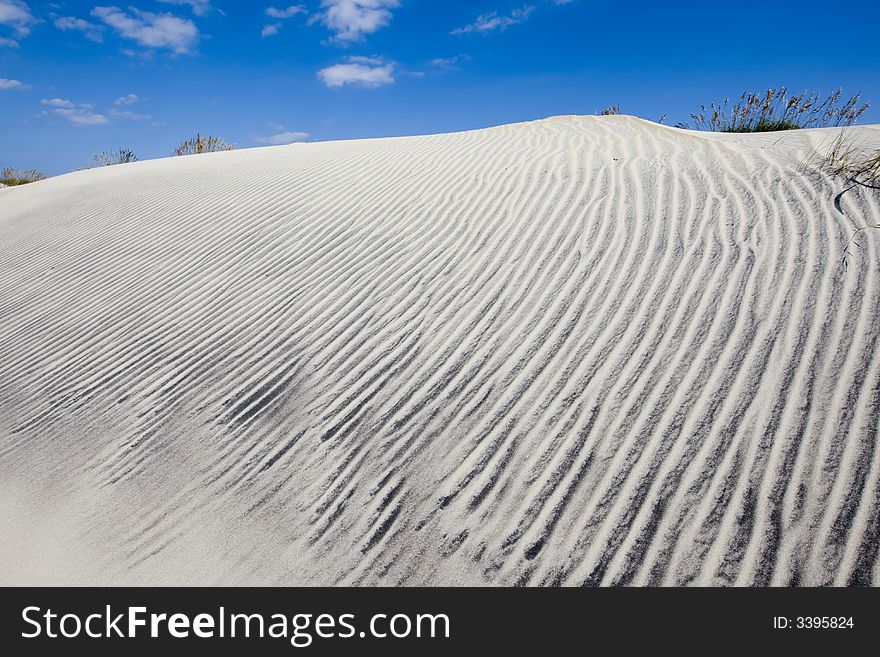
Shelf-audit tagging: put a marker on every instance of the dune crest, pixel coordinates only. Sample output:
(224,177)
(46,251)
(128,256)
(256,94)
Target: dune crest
(574,351)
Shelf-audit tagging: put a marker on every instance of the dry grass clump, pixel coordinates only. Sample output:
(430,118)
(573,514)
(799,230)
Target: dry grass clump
(855,165)
(200,144)
(11,177)
(776,109)
(849,158)
(109,158)
(867,172)
(854,161)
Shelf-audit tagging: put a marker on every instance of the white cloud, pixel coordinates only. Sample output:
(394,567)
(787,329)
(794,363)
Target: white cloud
(352,19)
(271,29)
(129,99)
(282,138)
(17,15)
(8,43)
(78,115)
(493,21)
(449,62)
(57,102)
(126,115)
(360,71)
(180,35)
(292,10)
(13,84)
(199,7)
(84,114)
(82,117)
(90,30)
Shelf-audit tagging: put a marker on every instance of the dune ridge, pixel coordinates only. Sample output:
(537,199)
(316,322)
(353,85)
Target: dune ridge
(577,351)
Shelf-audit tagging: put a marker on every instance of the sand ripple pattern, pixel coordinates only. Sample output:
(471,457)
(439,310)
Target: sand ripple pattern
(578,351)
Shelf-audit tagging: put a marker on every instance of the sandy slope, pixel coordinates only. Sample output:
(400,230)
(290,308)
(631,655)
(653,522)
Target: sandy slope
(579,350)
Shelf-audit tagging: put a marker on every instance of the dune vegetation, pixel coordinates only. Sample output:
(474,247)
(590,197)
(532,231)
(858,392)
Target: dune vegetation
(109,158)
(12,177)
(777,109)
(202,144)
(849,157)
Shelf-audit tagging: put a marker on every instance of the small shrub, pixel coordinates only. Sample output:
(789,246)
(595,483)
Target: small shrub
(109,158)
(777,110)
(202,145)
(11,177)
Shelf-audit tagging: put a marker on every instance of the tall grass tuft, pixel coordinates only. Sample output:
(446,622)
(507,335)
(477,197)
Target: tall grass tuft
(11,177)
(109,158)
(776,109)
(200,144)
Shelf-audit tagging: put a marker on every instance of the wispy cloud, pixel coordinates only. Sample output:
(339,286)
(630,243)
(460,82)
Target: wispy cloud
(6,84)
(91,31)
(449,62)
(292,10)
(129,99)
(199,7)
(271,29)
(77,114)
(58,102)
(494,21)
(350,20)
(81,117)
(180,35)
(127,115)
(359,71)
(17,15)
(281,137)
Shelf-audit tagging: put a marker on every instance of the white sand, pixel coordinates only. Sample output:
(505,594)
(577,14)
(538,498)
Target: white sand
(579,350)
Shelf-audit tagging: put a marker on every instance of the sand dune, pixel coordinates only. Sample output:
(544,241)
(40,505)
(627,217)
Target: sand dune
(575,351)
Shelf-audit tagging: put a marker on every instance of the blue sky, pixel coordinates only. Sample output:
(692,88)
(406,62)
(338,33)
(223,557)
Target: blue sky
(80,77)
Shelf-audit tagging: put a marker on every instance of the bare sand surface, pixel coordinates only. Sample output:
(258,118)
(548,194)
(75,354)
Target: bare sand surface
(583,350)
